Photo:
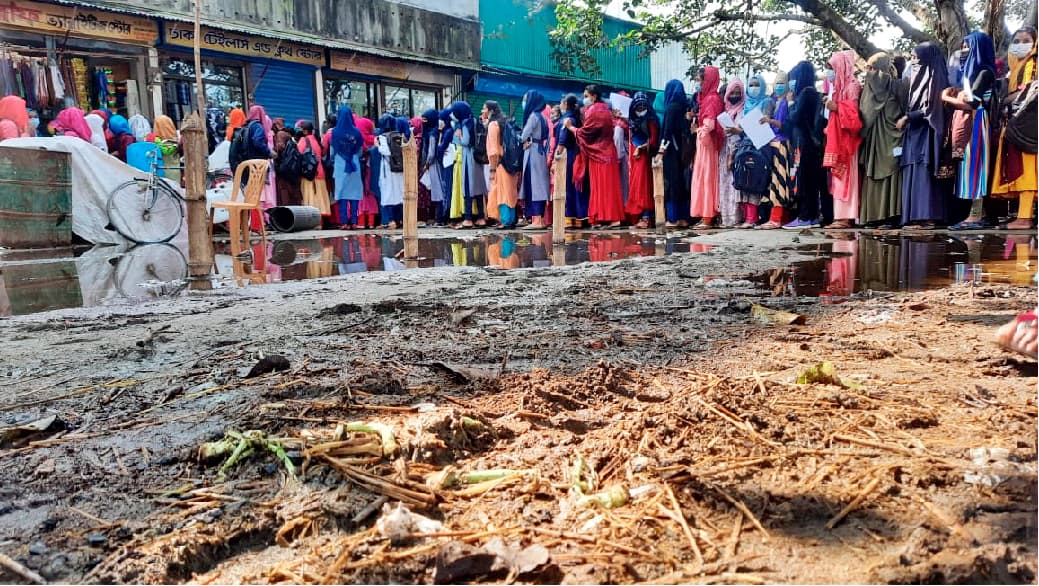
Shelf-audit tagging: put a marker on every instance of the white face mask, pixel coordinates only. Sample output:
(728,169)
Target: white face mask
(754,91)
(587,101)
(440,125)
(793,85)
(1020,50)
(34,123)
(696,87)
(641,113)
(453,117)
(907,73)
(831,75)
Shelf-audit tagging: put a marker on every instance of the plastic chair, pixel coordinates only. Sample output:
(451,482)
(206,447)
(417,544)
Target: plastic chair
(238,211)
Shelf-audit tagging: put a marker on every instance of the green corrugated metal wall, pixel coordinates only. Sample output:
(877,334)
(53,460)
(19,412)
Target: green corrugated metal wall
(521,44)
(509,104)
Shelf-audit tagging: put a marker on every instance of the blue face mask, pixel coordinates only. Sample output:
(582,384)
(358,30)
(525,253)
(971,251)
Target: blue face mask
(523,104)
(780,89)
(754,91)
(587,101)
(34,123)
(793,85)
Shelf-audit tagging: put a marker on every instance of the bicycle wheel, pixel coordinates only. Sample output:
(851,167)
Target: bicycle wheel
(134,215)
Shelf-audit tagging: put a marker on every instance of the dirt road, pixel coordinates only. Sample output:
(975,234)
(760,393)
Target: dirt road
(653,379)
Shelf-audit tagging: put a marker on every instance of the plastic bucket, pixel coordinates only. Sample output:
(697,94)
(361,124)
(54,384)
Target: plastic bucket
(294,218)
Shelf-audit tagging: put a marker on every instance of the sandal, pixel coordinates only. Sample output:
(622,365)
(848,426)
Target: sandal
(643,224)
(769,226)
(840,225)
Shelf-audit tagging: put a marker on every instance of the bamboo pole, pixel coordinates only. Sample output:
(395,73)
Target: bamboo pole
(658,193)
(410,150)
(200,247)
(559,201)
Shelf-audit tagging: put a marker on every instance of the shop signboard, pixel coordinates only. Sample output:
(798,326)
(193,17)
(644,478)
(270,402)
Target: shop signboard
(183,35)
(78,21)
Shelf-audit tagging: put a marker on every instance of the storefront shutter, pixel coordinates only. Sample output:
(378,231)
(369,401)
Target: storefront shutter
(285,91)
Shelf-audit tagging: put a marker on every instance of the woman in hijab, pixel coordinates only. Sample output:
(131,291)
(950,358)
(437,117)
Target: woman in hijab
(140,126)
(347,144)
(236,119)
(881,105)
(673,135)
(313,192)
(535,184)
(978,66)
(288,189)
(595,139)
(504,192)
(123,136)
(567,152)
(805,158)
(447,156)
(71,122)
(843,136)
(620,143)
(755,99)
(369,208)
(468,187)
(431,167)
(1015,175)
(14,118)
(425,197)
(924,196)
(777,151)
(709,141)
(97,131)
(269,196)
(729,205)
(643,142)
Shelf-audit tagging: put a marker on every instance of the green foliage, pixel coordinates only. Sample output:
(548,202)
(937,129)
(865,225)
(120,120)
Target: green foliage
(579,31)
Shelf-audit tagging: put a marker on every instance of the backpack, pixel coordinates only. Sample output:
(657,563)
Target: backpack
(239,145)
(308,162)
(395,140)
(480,144)
(1022,123)
(289,162)
(751,172)
(328,160)
(512,159)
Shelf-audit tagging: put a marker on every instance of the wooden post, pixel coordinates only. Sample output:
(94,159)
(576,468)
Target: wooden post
(196,157)
(198,62)
(559,201)
(410,151)
(658,193)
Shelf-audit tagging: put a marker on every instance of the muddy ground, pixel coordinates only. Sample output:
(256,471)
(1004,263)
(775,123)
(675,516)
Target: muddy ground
(915,462)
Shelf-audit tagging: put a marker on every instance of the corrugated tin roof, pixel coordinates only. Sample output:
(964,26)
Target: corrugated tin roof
(274,33)
(517,41)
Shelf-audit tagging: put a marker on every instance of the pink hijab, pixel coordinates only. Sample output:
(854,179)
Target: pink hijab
(367,128)
(845,86)
(735,110)
(72,122)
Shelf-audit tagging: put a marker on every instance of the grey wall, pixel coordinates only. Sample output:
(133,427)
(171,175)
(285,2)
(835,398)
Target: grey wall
(404,29)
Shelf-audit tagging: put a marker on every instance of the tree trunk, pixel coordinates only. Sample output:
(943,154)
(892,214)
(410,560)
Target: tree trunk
(845,31)
(952,23)
(995,19)
(1033,15)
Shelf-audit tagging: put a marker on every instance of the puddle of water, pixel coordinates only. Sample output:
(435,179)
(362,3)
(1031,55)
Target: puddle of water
(904,263)
(111,275)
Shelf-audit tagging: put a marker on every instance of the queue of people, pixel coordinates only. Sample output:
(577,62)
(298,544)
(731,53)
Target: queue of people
(931,141)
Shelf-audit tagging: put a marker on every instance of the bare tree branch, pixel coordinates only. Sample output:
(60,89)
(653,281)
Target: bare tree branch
(725,16)
(832,20)
(892,16)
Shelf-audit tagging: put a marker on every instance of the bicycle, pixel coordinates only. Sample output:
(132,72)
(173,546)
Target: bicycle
(146,211)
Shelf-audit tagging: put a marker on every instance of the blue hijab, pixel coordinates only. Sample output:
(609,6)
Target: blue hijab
(535,104)
(461,111)
(981,57)
(802,76)
(404,127)
(674,91)
(346,139)
(446,136)
(387,124)
(118,125)
(762,98)
(640,125)
(429,126)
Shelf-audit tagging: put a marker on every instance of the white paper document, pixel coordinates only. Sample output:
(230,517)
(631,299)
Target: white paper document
(726,121)
(760,134)
(622,103)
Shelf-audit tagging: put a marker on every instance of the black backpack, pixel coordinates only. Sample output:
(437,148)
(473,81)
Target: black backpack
(1021,125)
(328,160)
(395,140)
(239,145)
(512,160)
(289,162)
(308,162)
(751,172)
(480,145)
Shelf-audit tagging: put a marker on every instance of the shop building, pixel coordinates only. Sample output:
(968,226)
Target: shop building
(57,56)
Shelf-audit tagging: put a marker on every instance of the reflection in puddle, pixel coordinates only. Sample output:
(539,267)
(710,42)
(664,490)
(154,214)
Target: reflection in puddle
(904,263)
(110,275)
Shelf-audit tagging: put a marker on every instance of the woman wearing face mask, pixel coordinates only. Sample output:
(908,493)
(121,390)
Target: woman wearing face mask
(34,123)
(924,196)
(673,134)
(729,206)
(595,139)
(755,99)
(1015,175)
(710,139)
(978,65)
(567,152)
(882,106)
(780,196)
(534,189)
(843,136)
(469,189)
(642,147)
(504,191)
(431,165)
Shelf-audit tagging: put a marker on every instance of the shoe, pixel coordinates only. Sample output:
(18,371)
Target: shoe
(840,225)
(746,226)
(979,225)
(769,226)
(801,224)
